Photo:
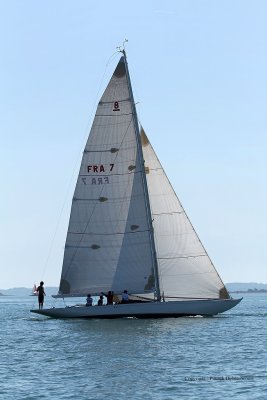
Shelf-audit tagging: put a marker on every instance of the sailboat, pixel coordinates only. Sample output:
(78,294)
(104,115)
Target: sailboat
(127,228)
(34,291)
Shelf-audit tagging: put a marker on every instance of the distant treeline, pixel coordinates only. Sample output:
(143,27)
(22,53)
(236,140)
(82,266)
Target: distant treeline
(250,291)
(22,291)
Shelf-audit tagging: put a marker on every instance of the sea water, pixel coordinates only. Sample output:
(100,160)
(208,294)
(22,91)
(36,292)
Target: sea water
(221,357)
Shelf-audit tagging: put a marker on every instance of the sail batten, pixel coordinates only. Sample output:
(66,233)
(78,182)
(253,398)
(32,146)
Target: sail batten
(183,256)
(106,234)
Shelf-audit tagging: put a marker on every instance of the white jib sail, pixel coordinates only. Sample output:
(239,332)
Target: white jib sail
(185,270)
(107,245)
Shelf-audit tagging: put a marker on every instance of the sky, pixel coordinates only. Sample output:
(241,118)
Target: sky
(198,71)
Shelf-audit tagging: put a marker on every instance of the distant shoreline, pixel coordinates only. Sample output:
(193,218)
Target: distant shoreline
(249,291)
(233,287)
(253,291)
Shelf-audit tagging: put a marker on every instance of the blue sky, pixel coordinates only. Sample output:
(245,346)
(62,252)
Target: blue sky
(198,72)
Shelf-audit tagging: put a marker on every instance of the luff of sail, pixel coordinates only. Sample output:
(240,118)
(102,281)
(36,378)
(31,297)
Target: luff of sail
(108,242)
(185,269)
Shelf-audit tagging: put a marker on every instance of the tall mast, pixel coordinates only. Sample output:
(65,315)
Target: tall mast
(143,174)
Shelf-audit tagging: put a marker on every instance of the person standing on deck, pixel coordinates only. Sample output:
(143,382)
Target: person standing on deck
(41,293)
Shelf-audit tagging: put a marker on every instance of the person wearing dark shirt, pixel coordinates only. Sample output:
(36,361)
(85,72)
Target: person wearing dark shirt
(41,293)
(89,301)
(109,297)
(100,301)
(125,297)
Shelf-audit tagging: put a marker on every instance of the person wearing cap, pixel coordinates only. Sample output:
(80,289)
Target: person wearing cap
(41,293)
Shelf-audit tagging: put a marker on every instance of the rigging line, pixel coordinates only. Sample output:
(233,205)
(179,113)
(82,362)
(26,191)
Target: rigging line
(74,170)
(34,301)
(58,221)
(89,219)
(111,58)
(95,102)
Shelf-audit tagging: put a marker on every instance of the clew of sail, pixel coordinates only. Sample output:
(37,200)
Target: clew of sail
(108,242)
(185,269)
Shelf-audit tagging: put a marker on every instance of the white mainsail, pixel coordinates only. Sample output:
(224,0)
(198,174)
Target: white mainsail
(108,244)
(185,269)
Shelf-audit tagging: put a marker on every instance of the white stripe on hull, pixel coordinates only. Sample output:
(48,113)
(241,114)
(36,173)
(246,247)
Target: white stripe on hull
(144,310)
